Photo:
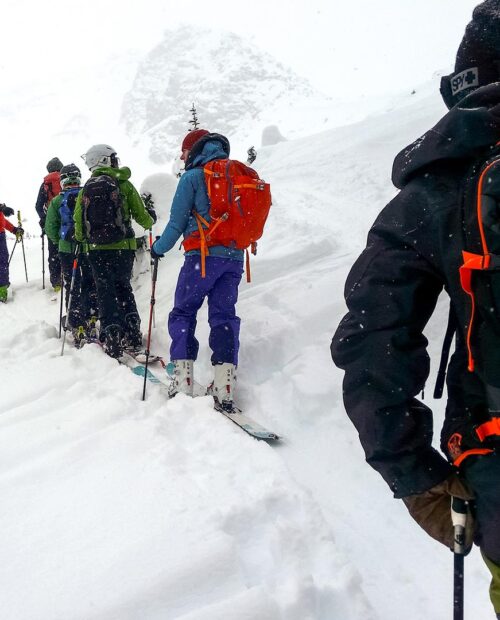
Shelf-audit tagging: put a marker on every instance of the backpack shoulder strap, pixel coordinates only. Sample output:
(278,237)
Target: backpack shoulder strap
(445,353)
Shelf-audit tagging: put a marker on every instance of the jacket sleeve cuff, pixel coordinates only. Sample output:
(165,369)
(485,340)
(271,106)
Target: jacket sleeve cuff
(419,474)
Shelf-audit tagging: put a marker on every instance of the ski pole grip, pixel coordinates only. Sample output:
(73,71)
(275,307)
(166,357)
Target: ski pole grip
(458,511)
(155,265)
(459,520)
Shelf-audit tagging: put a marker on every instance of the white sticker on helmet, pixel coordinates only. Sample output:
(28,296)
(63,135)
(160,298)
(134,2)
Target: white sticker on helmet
(465,79)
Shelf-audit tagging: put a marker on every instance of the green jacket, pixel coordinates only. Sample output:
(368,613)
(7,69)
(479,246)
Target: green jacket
(53,227)
(133,208)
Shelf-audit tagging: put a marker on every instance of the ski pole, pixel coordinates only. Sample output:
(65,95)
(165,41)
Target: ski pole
(68,309)
(12,253)
(151,262)
(19,221)
(63,288)
(151,310)
(459,520)
(43,265)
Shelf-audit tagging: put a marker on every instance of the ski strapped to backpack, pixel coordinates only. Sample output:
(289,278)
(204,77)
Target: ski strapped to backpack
(66,210)
(102,209)
(239,206)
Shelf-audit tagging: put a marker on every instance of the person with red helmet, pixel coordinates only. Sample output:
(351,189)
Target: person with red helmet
(219,283)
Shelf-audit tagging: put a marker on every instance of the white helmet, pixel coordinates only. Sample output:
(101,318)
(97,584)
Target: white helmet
(100,155)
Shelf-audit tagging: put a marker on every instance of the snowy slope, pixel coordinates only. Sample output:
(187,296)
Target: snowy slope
(114,508)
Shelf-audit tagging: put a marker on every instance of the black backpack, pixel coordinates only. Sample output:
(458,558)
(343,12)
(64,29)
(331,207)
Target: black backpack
(480,276)
(103,211)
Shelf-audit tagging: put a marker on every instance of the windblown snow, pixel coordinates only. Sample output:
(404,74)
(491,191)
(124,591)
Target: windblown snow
(117,509)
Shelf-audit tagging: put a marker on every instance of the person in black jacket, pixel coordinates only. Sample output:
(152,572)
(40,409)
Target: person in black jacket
(414,251)
(49,189)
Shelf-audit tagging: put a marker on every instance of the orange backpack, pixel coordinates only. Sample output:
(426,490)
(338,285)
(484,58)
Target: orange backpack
(52,186)
(239,206)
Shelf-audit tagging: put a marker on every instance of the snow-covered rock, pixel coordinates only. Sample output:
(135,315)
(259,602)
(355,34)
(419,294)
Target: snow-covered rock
(235,87)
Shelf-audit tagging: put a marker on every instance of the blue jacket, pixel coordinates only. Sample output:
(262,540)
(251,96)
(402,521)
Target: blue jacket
(191,195)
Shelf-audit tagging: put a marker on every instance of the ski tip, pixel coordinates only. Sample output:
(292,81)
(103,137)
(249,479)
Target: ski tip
(268,437)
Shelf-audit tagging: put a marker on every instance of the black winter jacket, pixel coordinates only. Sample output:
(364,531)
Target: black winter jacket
(414,249)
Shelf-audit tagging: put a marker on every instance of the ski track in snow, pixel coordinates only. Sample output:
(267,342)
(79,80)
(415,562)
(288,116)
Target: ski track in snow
(114,508)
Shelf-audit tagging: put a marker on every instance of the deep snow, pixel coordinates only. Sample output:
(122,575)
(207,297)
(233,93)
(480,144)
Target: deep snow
(114,508)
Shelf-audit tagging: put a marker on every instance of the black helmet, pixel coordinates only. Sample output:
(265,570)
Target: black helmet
(54,165)
(70,175)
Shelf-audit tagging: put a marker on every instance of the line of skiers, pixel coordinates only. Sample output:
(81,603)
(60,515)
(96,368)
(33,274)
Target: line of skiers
(92,248)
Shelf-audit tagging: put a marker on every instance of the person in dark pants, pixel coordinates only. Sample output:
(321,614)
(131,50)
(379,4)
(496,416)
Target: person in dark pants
(219,284)
(111,245)
(59,226)
(49,189)
(440,232)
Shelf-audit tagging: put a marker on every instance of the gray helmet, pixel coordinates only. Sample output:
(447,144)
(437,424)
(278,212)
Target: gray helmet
(70,175)
(100,155)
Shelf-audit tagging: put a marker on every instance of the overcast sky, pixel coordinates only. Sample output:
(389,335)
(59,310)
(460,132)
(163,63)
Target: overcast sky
(345,48)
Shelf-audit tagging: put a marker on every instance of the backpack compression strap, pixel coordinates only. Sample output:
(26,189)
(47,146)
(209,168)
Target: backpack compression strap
(205,239)
(477,262)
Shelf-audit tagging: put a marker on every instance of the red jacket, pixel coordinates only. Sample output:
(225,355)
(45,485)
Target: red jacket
(5,224)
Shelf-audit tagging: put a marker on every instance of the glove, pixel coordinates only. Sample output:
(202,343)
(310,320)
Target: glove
(432,510)
(7,211)
(19,232)
(42,223)
(154,254)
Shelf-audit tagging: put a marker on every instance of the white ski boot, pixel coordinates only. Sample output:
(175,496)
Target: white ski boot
(182,378)
(222,388)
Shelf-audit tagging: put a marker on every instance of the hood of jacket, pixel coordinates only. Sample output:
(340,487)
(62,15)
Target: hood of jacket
(210,147)
(120,174)
(464,133)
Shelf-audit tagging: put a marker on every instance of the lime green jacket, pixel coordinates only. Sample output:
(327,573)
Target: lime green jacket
(133,209)
(53,227)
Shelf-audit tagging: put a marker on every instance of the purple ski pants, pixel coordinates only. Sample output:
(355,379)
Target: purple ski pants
(220,287)
(4,261)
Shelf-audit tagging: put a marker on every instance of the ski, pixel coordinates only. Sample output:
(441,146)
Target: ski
(140,370)
(247,424)
(140,357)
(252,428)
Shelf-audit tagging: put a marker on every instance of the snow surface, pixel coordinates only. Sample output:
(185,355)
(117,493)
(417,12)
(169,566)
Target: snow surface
(115,508)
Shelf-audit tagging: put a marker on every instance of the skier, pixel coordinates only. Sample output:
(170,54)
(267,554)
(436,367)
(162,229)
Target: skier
(59,226)
(415,250)
(103,213)
(50,188)
(4,254)
(224,268)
